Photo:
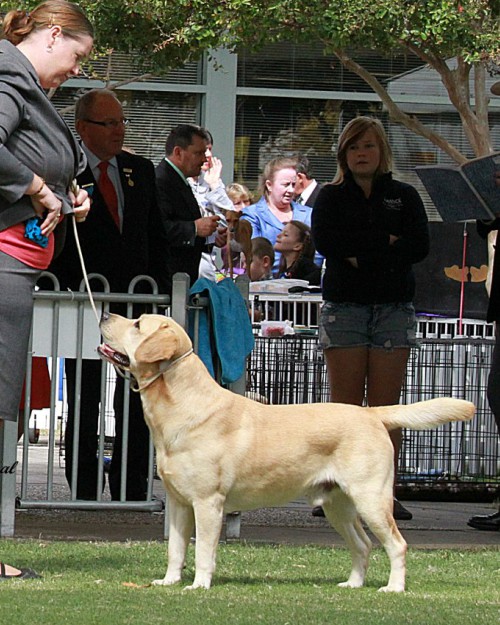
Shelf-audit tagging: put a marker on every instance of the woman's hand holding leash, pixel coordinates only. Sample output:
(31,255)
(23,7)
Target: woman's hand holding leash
(81,202)
(48,207)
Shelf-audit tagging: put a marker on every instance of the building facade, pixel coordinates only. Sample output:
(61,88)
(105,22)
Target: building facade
(284,99)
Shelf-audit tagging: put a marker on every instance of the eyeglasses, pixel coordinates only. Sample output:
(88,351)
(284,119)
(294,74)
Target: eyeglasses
(109,123)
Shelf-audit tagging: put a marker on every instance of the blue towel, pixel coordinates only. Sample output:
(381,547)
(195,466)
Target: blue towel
(231,327)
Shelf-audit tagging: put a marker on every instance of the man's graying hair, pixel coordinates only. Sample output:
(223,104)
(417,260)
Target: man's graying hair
(86,102)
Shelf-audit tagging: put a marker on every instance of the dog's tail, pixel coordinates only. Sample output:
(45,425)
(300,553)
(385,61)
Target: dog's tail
(426,414)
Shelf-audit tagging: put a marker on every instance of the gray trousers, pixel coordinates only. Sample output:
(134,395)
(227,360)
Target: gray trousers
(17,281)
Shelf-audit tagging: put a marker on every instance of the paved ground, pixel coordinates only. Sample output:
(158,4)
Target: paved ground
(434,524)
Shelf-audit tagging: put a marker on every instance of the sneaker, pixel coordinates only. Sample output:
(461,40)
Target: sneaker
(318,511)
(400,513)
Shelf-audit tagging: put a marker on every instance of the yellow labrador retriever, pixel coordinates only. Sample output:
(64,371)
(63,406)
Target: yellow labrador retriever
(219,452)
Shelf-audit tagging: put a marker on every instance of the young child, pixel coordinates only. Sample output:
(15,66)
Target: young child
(297,253)
(261,269)
(262,260)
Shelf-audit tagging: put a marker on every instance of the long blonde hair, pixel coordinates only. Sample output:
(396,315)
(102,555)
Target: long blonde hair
(19,24)
(353,131)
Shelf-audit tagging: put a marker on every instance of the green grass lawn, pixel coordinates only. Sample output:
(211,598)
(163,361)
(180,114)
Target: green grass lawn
(86,583)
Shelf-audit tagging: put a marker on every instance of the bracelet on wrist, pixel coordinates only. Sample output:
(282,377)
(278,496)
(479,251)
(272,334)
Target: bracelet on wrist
(39,190)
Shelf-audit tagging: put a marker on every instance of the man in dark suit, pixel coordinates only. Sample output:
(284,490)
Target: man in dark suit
(491,522)
(186,230)
(120,239)
(306,188)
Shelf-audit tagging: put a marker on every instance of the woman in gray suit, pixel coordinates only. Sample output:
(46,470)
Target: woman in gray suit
(39,158)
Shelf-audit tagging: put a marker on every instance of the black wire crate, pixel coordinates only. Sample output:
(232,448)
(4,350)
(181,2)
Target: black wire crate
(291,369)
(288,370)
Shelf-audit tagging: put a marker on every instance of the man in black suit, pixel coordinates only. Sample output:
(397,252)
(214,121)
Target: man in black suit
(491,522)
(306,188)
(186,230)
(120,239)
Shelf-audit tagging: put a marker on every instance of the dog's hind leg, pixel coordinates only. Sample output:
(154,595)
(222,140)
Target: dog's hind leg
(181,527)
(376,511)
(341,513)
(208,517)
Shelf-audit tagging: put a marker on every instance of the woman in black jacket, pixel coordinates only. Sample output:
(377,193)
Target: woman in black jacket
(371,229)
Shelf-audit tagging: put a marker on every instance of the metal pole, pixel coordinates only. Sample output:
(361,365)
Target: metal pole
(8,463)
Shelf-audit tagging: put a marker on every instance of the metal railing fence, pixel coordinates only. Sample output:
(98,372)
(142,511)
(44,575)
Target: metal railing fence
(289,369)
(64,326)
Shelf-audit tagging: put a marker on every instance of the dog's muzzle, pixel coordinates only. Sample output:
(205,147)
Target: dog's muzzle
(106,352)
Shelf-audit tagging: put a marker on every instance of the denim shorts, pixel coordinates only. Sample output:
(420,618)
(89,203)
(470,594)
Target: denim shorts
(379,326)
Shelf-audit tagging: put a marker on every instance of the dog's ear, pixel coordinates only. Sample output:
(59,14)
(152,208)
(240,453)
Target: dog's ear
(161,345)
(244,230)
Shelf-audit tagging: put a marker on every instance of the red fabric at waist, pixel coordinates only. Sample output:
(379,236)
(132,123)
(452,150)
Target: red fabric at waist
(15,244)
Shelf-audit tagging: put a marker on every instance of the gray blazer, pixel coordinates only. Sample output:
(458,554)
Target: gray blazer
(34,139)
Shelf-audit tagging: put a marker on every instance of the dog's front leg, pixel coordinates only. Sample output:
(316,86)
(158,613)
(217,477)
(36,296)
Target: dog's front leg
(181,527)
(208,517)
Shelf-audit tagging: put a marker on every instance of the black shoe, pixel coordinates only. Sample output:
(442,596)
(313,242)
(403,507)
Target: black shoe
(488,522)
(23,573)
(318,511)
(400,513)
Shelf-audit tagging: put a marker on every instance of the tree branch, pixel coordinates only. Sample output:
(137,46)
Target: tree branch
(456,83)
(111,87)
(482,101)
(396,114)
(457,86)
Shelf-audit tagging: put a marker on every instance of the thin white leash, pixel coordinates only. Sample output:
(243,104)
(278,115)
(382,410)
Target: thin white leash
(87,284)
(84,269)
(163,367)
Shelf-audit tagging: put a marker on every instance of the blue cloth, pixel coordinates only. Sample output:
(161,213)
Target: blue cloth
(33,232)
(231,327)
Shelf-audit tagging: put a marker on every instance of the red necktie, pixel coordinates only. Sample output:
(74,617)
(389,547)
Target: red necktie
(108,192)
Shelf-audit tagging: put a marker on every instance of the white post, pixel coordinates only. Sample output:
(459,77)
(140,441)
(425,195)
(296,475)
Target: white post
(8,463)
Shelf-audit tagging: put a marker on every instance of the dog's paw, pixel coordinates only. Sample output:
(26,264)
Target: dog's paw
(392,588)
(166,581)
(350,584)
(200,582)
(194,586)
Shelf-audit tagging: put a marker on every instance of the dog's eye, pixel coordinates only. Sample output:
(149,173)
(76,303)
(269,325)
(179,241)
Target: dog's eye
(137,325)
